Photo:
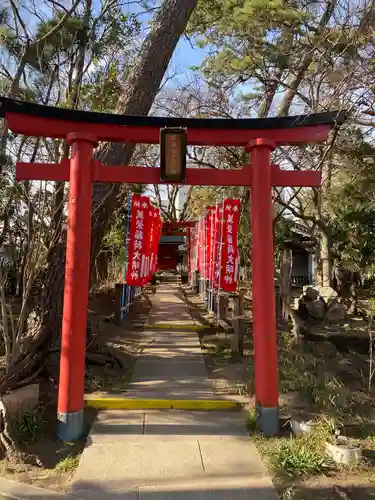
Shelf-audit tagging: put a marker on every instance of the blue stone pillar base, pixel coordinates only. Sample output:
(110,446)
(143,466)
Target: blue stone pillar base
(70,426)
(268,420)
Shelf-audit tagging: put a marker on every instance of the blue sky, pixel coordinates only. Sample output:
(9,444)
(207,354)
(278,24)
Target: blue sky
(186,56)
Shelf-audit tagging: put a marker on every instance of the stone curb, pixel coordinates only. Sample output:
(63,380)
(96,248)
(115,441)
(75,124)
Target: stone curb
(22,491)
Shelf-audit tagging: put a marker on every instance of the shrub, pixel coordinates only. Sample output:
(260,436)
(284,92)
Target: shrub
(297,457)
(28,427)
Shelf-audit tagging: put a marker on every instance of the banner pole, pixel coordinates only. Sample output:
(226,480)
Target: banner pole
(124,301)
(218,263)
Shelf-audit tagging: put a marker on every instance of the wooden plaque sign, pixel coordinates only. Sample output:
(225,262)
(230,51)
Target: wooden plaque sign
(173,144)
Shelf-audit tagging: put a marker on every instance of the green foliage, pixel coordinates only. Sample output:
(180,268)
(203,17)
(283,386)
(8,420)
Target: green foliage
(22,93)
(252,419)
(28,427)
(353,226)
(100,93)
(283,231)
(44,54)
(301,456)
(243,36)
(106,41)
(114,238)
(68,464)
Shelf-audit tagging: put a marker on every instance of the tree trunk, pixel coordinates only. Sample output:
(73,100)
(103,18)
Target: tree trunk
(101,267)
(354,286)
(300,327)
(286,281)
(306,60)
(326,258)
(137,98)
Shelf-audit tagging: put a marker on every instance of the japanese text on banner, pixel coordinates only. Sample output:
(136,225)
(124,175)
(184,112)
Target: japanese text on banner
(208,241)
(217,245)
(230,256)
(137,243)
(156,225)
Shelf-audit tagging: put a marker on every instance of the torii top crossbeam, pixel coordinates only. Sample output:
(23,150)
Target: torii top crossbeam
(31,119)
(35,120)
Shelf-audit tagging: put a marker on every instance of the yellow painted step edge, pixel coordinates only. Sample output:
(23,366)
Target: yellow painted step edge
(169,326)
(158,404)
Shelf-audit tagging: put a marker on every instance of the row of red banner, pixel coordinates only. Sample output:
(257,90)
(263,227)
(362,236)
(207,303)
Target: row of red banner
(214,245)
(145,231)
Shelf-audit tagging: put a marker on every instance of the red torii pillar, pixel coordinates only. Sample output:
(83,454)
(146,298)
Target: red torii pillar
(77,276)
(263,288)
(82,171)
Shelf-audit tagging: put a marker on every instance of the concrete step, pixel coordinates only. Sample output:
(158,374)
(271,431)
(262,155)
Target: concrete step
(171,453)
(225,488)
(176,424)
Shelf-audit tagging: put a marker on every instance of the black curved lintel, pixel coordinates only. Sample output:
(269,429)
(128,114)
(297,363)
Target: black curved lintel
(331,118)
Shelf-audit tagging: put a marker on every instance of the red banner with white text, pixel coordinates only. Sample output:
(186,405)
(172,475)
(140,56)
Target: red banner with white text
(213,238)
(155,233)
(229,252)
(208,241)
(201,244)
(145,230)
(217,245)
(137,240)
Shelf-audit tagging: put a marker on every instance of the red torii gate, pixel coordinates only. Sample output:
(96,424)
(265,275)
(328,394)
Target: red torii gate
(169,226)
(83,130)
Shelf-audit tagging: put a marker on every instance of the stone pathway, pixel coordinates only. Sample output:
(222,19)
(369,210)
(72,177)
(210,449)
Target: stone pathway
(171,366)
(171,454)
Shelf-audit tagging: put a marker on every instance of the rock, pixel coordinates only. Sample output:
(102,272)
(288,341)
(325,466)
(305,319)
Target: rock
(336,312)
(327,293)
(343,451)
(310,292)
(22,400)
(316,309)
(300,428)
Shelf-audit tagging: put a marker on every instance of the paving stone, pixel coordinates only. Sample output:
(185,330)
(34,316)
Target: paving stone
(194,423)
(171,454)
(227,489)
(129,464)
(235,457)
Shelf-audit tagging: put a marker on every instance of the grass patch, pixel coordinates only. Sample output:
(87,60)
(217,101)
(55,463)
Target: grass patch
(296,456)
(222,350)
(68,464)
(252,420)
(303,369)
(28,427)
